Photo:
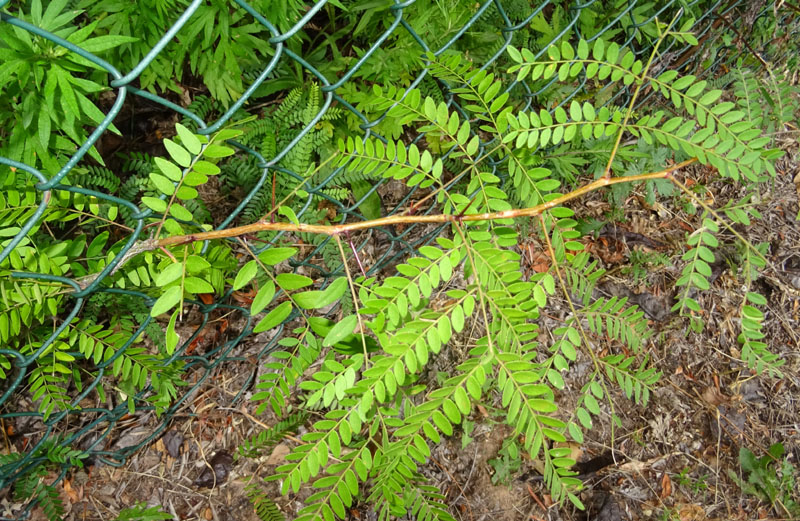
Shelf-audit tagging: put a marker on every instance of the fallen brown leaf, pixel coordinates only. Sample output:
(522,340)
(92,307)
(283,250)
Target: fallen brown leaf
(278,455)
(73,495)
(714,396)
(666,486)
(691,512)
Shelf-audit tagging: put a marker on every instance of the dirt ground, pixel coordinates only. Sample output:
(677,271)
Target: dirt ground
(675,459)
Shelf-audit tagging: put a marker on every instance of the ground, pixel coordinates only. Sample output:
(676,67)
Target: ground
(675,459)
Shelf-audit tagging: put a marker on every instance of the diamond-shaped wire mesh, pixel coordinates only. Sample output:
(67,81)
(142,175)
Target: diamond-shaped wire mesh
(90,428)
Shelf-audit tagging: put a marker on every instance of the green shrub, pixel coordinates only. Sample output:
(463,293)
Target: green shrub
(484,171)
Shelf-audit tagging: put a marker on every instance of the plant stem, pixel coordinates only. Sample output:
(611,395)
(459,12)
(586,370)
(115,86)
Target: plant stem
(335,230)
(352,286)
(339,229)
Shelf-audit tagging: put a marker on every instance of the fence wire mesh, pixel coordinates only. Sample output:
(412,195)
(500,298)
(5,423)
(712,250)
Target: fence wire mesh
(91,428)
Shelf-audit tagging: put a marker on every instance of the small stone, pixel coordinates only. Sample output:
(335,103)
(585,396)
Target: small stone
(221,464)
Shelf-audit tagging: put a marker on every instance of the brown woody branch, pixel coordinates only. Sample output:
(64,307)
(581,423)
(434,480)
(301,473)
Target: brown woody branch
(339,229)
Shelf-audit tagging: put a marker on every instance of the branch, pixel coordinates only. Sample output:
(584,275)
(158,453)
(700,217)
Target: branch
(136,249)
(335,230)
(339,229)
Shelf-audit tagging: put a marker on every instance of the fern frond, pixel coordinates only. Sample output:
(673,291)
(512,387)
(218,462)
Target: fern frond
(265,507)
(204,107)
(312,104)
(134,187)
(138,163)
(285,115)
(240,173)
(696,273)
(271,135)
(95,178)
(299,158)
(725,139)
(613,318)
(325,247)
(198,208)
(266,439)
(257,130)
(258,205)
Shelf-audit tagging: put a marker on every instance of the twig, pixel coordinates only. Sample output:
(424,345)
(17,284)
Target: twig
(335,230)
(352,286)
(469,476)
(136,249)
(339,229)
(537,500)
(471,516)
(744,41)
(355,254)
(632,104)
(792,6)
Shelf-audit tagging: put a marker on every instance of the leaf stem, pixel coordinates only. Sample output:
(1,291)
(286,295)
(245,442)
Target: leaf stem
(355,297)
(635,96)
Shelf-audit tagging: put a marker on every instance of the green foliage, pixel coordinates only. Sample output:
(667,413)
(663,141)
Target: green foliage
(144,23)
(358,351)
(259,444)
(755,352)
(265,507)
(270,137)
(96,178)
(507,462)
(46,90)
(111,339)
(217,43)
(49,455)
(770,102)
(141,512)
(32,486)
(30,305)
(696,273)
(363,391)
(771,477)
(714,133)
(642,262)
(697,485)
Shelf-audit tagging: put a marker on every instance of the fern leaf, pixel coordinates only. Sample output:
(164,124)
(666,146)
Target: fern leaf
(266,509)
(266,439)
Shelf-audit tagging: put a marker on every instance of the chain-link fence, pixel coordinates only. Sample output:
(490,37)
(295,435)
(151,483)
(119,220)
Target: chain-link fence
(90,429)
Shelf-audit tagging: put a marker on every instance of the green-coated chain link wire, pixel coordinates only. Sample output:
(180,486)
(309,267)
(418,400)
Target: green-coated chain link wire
(97,424)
